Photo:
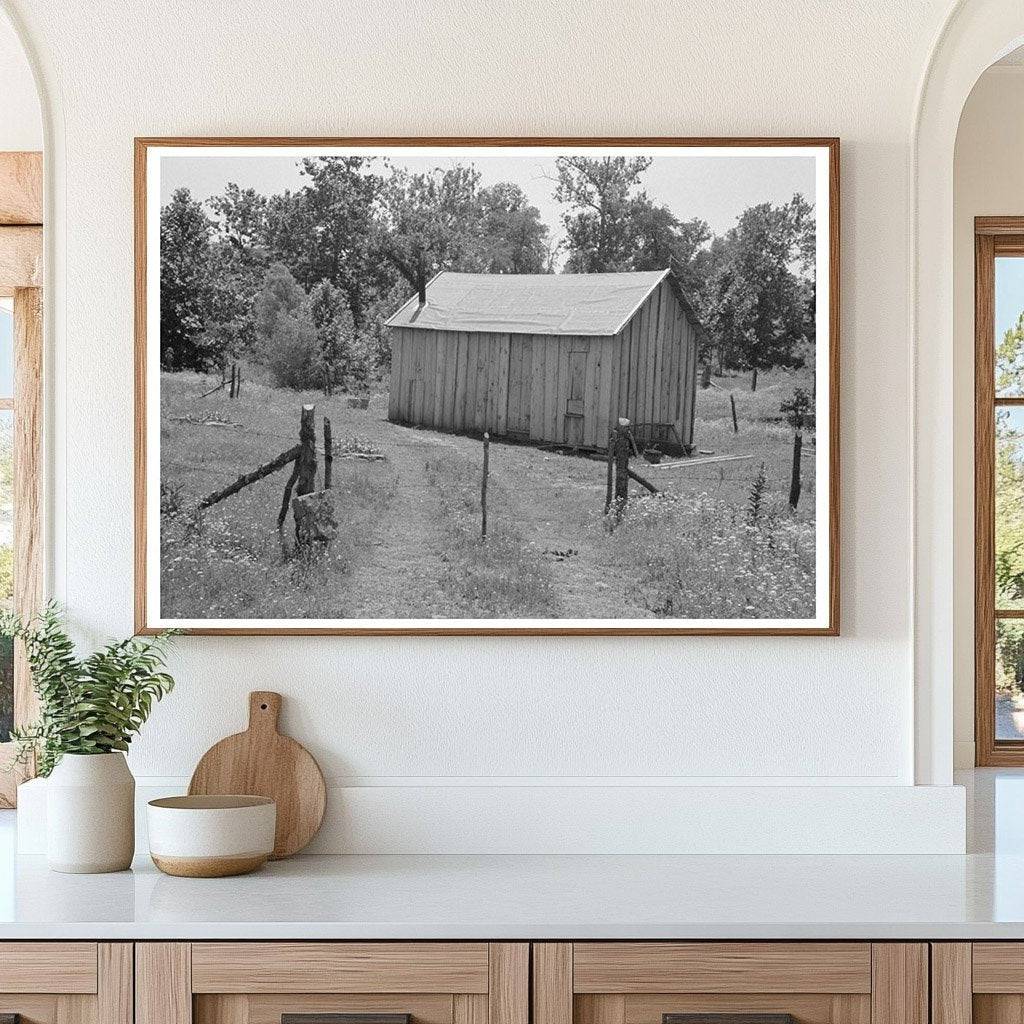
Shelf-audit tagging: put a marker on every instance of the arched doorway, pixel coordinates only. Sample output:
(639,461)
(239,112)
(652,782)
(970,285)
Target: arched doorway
(976,33)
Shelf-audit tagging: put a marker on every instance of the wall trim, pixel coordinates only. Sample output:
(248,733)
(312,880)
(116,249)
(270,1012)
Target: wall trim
(558,819)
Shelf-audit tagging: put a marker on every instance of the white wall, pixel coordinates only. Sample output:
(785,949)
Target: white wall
(443,713)
(988,180)
(21,125)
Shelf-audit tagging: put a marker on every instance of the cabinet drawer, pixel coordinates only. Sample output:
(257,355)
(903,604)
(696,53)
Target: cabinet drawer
(48,967)
(629,967)
(749,982)
(262,982)
(340,967)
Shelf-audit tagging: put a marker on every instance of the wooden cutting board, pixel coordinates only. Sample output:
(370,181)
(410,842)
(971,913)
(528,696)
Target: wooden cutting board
(262,762)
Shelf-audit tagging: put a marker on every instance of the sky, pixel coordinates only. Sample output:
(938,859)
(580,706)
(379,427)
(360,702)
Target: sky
(1009,293)
(716,188)
(6,348)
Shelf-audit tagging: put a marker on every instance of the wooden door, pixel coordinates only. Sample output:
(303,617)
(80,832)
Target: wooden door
(265,982)
(62,982)
(748,982)
(575,399)
(520,385)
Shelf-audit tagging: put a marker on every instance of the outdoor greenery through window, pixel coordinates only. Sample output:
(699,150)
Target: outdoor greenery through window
(1009,496)
(6,511)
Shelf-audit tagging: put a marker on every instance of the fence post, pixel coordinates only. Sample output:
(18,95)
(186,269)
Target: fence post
(735,424)
(483,487)
(794,482)
(238,383)
(611,473)
(328,454)
(305,482)
(623,444)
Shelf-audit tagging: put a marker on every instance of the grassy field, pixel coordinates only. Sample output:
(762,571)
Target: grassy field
(720,541)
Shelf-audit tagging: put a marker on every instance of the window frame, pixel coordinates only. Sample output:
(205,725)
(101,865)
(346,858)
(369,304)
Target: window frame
(993,237)
(21,263)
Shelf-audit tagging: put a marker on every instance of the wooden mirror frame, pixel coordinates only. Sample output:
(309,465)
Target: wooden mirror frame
(21,272)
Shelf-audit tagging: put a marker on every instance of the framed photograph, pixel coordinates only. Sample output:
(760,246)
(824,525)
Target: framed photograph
(487,386)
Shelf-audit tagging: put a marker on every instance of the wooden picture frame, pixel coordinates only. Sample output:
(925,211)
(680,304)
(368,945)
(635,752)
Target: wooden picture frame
(826,620)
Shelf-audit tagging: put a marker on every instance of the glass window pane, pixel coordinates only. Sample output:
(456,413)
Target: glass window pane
(6,567)
(6,348)
(1009,326)
(1009,679)
(1009,487)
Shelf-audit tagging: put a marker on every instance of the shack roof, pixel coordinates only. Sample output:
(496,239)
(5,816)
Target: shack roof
(579,304)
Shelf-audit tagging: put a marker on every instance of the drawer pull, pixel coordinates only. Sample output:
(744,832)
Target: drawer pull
(340,1018)
(728,1018)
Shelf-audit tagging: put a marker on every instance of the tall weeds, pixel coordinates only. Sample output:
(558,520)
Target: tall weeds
(705,559)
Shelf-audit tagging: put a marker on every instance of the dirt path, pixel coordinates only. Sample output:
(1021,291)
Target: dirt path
(399,577)
(558,504)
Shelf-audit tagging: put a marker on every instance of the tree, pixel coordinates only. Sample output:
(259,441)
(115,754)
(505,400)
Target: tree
(662,240)
(754,303)
(333,333)
(1010,360)
(185,297)
(239,259)
(285,334)
(600,225)
(327,230)
(513,239)
(430,223)
(1009,501)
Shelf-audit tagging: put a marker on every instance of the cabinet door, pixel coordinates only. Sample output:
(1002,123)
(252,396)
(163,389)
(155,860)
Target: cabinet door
(66,982)
(315,982)
(980,982)
(747,982)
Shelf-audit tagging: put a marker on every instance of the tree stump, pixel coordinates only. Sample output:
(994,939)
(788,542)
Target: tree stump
(315,524)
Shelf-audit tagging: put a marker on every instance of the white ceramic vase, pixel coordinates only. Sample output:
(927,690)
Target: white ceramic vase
(90,814)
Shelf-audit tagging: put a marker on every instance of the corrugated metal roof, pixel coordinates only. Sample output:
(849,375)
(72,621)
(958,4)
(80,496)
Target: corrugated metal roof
(600,304)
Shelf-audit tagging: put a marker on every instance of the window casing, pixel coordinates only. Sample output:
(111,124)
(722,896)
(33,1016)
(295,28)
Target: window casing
(999,491)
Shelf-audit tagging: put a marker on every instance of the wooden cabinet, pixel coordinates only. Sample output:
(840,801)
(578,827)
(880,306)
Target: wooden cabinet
(646,982)
(260,982)
(66,982)
(979,982)
(493,983)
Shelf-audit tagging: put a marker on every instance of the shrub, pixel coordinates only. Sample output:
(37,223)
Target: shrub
(291,354)
(90,705)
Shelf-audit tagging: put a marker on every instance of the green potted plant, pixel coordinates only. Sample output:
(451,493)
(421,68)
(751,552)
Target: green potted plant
(89,710)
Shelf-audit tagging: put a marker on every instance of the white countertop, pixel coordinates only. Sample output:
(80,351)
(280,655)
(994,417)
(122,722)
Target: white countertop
(978,896)
(532,897)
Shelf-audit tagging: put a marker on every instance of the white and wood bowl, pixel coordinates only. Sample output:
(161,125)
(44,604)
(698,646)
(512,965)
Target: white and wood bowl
(211,836)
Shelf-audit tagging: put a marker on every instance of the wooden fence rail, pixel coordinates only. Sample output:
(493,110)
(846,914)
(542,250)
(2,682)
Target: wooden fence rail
(250,478)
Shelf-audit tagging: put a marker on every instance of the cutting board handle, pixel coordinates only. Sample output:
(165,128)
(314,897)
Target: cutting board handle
(264,710)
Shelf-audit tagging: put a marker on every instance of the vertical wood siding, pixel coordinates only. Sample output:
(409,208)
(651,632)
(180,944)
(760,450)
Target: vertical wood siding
(394,406)
(524,385)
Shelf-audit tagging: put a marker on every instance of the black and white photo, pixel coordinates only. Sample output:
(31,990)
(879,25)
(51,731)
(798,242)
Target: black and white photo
(462,386)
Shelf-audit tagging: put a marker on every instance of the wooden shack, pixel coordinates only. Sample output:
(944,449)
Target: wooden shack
(554,358)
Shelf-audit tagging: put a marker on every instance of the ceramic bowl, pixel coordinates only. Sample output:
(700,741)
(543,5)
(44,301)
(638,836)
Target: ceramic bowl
(211,836)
